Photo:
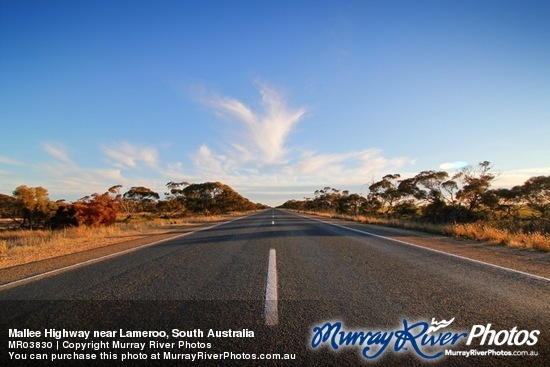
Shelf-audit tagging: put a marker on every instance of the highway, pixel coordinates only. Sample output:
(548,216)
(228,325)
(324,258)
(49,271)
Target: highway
(280,274)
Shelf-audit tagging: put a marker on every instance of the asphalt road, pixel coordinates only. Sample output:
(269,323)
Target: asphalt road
(217,279)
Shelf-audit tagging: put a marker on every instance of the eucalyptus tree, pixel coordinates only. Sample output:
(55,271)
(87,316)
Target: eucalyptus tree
(474,193)
(32,206)
(385,193)
(139,198)
(536,192)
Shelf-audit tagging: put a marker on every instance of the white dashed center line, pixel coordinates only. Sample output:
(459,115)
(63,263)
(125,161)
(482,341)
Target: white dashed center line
(270,309)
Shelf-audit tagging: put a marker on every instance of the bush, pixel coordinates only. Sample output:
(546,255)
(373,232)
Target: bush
(64,217)
(97,210)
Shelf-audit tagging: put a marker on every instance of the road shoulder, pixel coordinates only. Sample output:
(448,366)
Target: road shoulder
(523,260)
(81,258)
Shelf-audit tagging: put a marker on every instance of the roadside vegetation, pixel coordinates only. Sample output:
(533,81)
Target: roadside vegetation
(34,227)
(463,205)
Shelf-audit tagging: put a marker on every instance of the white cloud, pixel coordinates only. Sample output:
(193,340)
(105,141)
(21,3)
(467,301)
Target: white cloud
(344,168)
(209,162)
(511,178)
(65,178)
(74,180)
(453,165)
(257,161)
(126,155)
(265,133)
(260,156)
(10,161)
(56,150)
(174,171)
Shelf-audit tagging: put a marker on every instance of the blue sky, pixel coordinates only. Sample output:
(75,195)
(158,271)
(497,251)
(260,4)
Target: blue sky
(274,98)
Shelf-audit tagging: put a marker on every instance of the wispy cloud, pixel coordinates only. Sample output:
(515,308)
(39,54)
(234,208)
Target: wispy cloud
(350,167)
(261,157)
(87,179)
(10,161)
(208,161)
(129,165)
(453,165)
(56,150)
(265,132)
(174,172)
(126,155)
(257,160)
(519,176)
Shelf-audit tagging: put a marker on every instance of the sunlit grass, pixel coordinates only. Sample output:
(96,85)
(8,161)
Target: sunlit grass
(474,231)
(25,243)
(485,232)
(21,246)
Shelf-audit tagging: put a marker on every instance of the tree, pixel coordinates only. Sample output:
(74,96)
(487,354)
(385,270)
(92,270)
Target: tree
(385,192)
(326,199)
(476,182)
(423,192)
(114,192)
(170,207)
(450,187)
(139,198)
(174,202)
(408,189)
(430,184)
(508,203)
(351,203)
(32,205)
(7,206)
(536,192)
(176,188)
(65,216)
(141,194)
(214,198)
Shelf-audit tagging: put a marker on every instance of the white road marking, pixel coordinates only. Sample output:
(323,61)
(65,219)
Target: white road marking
(114,254)
(533,276)
(270,310)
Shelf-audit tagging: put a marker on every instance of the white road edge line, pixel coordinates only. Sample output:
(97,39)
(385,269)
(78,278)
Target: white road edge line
(270,310)
(114,254)
(537,277)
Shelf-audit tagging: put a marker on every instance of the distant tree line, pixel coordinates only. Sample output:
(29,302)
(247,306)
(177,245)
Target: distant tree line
(437,197)
(30,207)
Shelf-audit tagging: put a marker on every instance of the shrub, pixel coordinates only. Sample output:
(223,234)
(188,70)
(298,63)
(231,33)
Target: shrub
(97,210)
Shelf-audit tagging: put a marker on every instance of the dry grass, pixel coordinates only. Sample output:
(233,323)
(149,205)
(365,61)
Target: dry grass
(473,231)
(23,246)
(484,232)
